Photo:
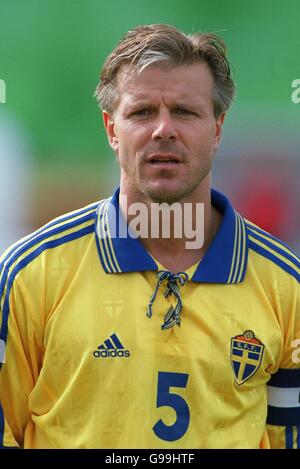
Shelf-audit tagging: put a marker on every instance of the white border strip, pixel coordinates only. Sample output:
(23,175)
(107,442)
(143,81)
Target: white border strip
(283,397)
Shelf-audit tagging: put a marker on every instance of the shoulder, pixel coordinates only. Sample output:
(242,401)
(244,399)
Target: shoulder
(62,230)
(272,251)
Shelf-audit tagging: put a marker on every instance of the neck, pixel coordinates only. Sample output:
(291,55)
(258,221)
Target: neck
(178,235)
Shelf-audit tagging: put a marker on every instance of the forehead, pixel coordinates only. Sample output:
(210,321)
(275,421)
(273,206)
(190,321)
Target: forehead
(185,82)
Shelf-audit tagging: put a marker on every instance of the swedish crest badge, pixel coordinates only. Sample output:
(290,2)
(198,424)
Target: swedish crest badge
(246,354)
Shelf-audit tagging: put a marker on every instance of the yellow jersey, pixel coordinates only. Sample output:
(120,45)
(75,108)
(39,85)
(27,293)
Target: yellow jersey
(101,347)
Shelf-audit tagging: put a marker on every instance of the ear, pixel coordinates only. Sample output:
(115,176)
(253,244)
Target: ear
(109,125)
(219,128)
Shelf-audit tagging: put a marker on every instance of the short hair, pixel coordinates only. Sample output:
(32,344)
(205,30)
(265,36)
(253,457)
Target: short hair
(167,46)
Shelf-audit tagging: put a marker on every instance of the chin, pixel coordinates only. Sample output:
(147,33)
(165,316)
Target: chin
(164,194)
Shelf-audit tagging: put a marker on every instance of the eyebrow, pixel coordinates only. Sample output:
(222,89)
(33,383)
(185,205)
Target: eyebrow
(141,103)
(178,104)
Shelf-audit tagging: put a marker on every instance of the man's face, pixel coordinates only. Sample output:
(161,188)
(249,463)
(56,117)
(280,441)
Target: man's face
(164,131)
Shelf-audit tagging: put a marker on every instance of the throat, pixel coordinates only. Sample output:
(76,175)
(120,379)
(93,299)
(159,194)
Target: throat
(173,254)
(176,263)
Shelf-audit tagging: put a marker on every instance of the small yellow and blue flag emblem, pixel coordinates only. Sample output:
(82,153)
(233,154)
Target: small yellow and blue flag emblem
(246,354)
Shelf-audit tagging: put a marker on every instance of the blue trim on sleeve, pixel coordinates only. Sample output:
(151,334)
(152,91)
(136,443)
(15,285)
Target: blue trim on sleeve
(30,243)
(274,247)
(289,437)
(285,378)
(26,260)
(49,225)
(273,258)
(265,233)
(283,416)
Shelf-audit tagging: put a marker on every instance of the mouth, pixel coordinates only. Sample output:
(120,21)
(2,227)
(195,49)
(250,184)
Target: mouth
(164,160)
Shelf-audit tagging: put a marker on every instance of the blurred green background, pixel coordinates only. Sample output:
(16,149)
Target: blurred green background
(51,52)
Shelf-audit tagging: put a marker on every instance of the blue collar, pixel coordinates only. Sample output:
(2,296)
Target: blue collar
(225,261)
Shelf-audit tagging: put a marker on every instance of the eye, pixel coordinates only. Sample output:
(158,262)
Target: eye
(182,111)
(142,112)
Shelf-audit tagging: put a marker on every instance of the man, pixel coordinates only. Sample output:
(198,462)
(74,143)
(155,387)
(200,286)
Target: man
(117,339)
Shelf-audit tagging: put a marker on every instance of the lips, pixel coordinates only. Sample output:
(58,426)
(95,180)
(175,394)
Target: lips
(160,158)
(165,162)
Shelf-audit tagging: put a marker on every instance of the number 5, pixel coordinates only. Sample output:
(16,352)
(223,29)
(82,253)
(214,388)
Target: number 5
(166,398)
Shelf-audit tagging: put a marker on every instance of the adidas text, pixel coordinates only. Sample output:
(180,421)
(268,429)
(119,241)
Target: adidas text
(111,353)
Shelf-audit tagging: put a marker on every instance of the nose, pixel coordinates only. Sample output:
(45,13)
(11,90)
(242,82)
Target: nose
(164,127)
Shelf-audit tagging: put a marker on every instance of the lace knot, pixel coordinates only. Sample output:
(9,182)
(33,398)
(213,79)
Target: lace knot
(172,316)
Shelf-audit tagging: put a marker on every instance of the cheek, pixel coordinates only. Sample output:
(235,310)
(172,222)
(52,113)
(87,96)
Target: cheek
(132,142)
(202,148)
(129,146)
(205,138)
(199,143)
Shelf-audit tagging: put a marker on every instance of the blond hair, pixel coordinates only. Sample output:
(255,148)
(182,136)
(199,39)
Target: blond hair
(167,46)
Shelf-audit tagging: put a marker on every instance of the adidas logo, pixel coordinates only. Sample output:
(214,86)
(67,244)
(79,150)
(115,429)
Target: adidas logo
(111,348)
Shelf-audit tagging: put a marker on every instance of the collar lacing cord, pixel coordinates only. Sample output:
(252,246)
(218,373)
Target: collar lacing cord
(173,315)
